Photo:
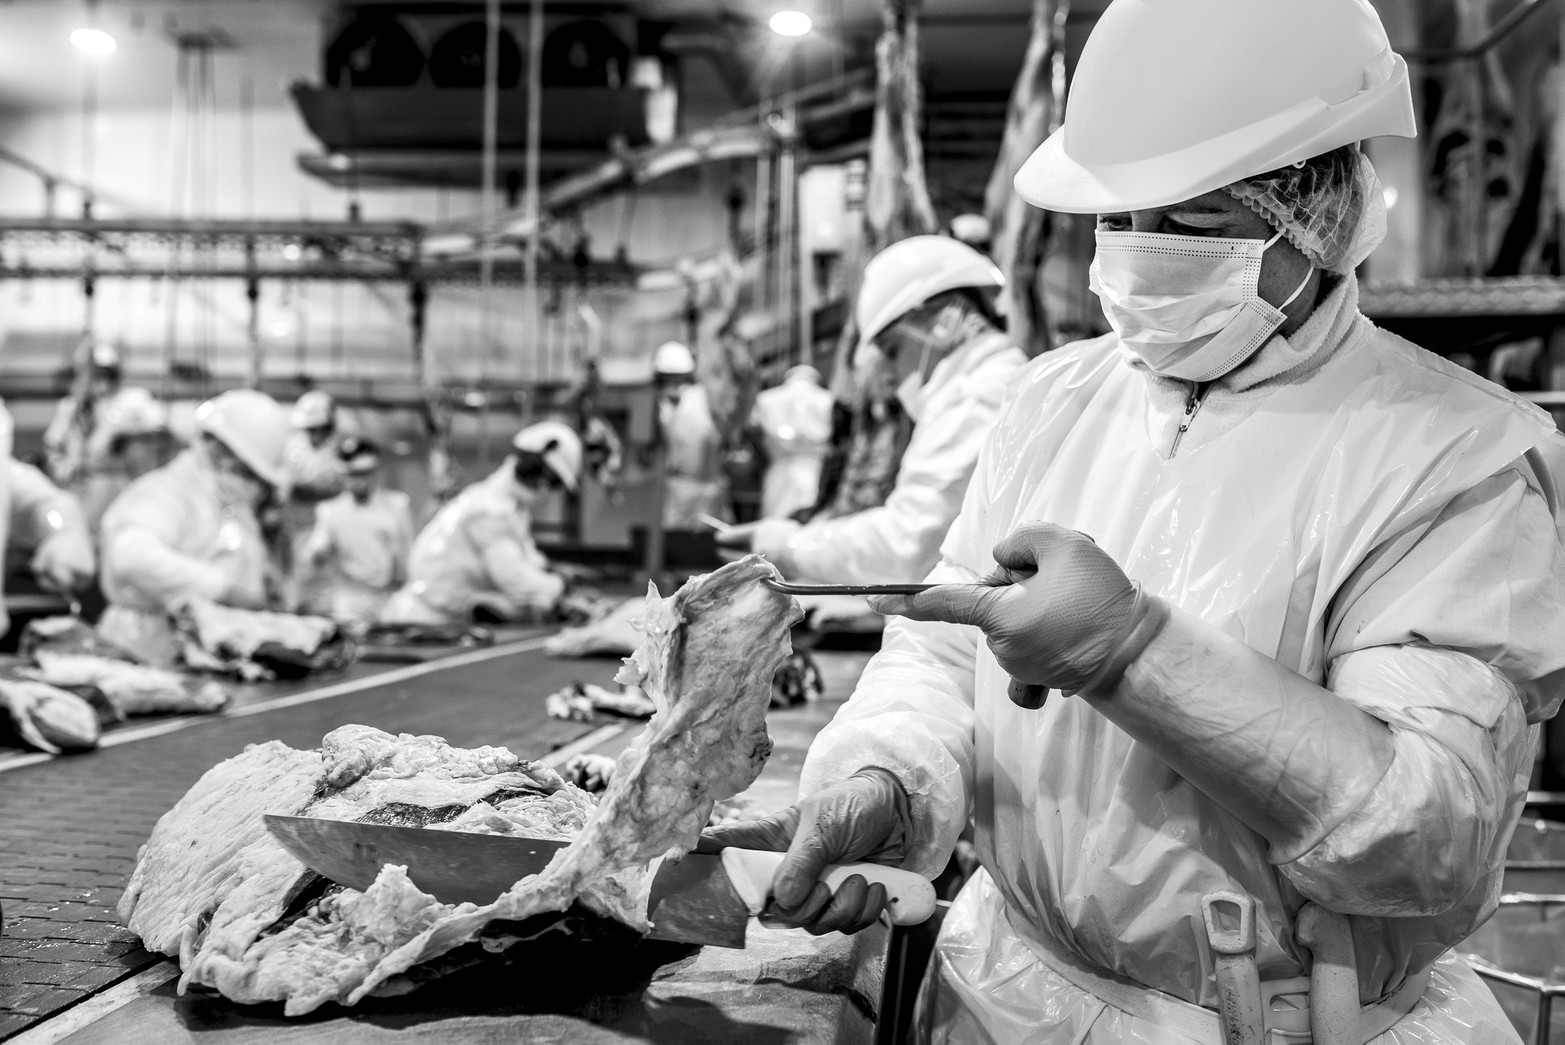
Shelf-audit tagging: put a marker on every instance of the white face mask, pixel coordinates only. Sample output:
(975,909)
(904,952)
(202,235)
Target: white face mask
(1189,306)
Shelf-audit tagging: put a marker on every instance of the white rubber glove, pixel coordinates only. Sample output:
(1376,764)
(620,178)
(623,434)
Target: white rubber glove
(768,537)
(64,562)
(864,817)
(1053,612)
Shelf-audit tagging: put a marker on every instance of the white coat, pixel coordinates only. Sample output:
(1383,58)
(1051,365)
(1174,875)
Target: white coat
(899,540)
(42,512)
(361,552)
(1347,504)
(478,550)
(795,422)
(172,535)
(693,478)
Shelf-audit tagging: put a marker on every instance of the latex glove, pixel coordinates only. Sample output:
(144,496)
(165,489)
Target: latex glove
(865,817)
(768,537)
(243,598)
(1058,612)
(65,562)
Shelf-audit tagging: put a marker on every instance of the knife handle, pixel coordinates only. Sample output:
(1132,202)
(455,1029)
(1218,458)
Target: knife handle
(910,898)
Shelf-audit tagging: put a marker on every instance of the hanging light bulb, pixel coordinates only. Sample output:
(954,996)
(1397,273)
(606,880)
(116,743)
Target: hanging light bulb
(90,40)
(790,23)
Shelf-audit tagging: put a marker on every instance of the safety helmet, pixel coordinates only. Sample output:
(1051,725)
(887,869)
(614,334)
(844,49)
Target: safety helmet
(909,272)
(1175,98)
(972,229)
(132,412)
(359,456)
(252,426)
(105,356)
(314,409)
(804,372)
(673,359)
(559,446)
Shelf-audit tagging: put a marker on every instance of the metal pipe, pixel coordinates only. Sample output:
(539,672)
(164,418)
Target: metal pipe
(534,154)
(1502,29)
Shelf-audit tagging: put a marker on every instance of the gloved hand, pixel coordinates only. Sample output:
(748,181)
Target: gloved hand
(1058,612)
(240,597)
(64,562)
(768,537)
(865,817)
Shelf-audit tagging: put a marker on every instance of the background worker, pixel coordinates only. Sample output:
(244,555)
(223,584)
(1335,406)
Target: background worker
(48,533)
(476,559)
(693,483)
(794,420)
(361,540)
(190,528)
(314,473)
(927,324)
(73,452)
(1253,609)
(131,438)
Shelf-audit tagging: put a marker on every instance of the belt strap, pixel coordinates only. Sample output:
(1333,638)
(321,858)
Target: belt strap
(1286,1008)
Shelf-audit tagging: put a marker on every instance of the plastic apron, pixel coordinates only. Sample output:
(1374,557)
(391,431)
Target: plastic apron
(693,483)
(1095,844)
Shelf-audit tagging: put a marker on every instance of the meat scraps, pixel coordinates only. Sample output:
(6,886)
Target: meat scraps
(212,886)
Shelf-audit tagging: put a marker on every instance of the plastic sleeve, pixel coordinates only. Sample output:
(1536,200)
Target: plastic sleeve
(143,560)
(912,715)
(1435,827)
(39,509)
(519,573)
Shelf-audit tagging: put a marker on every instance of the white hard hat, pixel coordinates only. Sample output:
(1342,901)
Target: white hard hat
(133,411)
(314,409)
(559,446)
(1175,98)
(252,425)
(908,273)
(804,372)
(971,228)
(673,358)
(105,356)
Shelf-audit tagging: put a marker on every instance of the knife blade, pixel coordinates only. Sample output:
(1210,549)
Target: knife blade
(700,898)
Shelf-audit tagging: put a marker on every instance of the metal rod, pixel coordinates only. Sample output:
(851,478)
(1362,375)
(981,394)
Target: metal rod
(534,160)
(1502,29)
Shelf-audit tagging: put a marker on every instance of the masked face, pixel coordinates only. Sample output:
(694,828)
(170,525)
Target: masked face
(360,485)
(236,482)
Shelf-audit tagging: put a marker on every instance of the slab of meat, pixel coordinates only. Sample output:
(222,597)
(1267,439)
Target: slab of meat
(130,689)
(707,662)
(48,718)
(258,645)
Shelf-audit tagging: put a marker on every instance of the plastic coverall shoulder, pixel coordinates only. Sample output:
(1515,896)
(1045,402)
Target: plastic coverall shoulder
(363,551)
(170,536)
(795,421)
(478,550)
(1375,527)
(901,539)
(39,511)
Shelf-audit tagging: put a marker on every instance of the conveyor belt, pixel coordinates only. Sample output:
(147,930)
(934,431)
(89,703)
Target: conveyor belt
(70,826)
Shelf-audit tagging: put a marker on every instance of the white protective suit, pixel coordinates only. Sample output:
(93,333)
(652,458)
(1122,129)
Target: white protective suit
(952,416)
(171,535)
(1367,514)
(478,550)
(314,474)
(693,479)
(795,422)
(362,552)
(6,433)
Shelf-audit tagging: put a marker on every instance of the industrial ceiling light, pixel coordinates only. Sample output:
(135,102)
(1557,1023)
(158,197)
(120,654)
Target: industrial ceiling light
(93,41)
(790,23)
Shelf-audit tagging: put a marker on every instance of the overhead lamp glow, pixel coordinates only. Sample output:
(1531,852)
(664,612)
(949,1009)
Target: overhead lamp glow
(93,41)
(292,251)
(790,23)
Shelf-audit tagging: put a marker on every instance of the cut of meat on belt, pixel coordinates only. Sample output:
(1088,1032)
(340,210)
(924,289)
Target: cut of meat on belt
(248,920)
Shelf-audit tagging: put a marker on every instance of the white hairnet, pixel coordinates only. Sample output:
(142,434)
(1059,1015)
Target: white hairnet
(1331,207)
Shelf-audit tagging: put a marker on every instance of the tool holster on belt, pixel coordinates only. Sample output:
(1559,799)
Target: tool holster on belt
(1334,982)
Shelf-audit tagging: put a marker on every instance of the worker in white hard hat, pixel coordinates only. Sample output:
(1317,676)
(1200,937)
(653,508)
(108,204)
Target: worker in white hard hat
(48,532)
(131,438)
(190,529)
(694,484)
(361,540)
(1246,627)
(315,472)
(794,422)
(927,328)
(476,559)
(78,443)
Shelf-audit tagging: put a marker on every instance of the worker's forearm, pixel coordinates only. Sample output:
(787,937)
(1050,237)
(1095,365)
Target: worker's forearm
(160,572)
(1288,758)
